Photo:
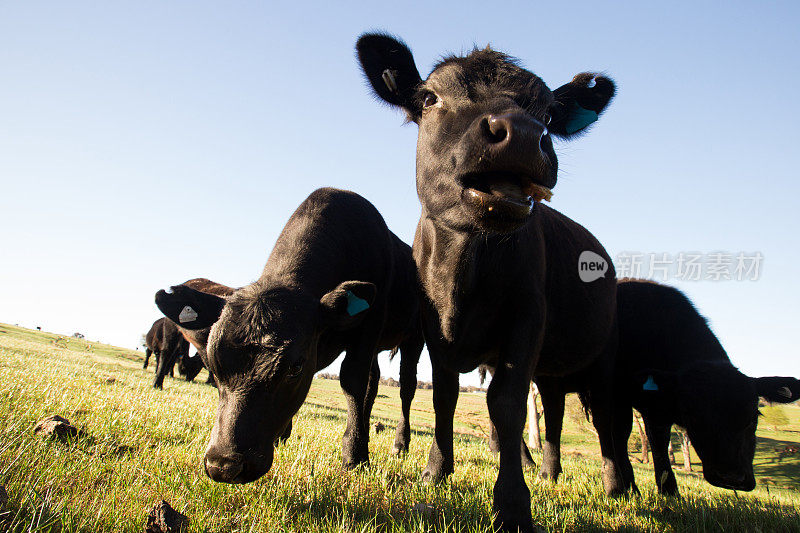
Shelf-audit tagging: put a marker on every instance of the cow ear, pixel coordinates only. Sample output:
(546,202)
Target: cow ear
(189,308)
(777,389)
(579,103)
(346,305)
(389,66)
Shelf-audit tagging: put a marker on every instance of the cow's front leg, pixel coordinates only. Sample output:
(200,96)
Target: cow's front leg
(445,398)
(409,358)
(507,400)
(552,391)
(658,433)
(164,366)
(354,379)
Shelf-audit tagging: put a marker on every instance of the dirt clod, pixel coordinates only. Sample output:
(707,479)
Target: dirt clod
(56,427)
(165,519)
(423,509)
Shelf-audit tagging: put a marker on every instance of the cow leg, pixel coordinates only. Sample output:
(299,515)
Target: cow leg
(166,362)
(372,392)
(601,408)
(552,392)
(494,440)
(507,400)
(147,353)
(354,378)
(409,359)
(445,398)
(494,447)
(623,422)
(285,435)
(658,433)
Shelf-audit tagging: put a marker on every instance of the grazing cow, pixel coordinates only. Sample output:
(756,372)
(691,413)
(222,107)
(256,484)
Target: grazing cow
(166,342)
(673,370)
(500,270)
(337,280)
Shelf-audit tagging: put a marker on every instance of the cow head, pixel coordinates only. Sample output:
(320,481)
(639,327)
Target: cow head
(262,350)
(718,406)
(485,151)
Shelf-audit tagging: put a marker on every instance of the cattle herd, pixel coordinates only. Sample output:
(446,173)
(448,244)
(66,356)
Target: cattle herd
(491,280)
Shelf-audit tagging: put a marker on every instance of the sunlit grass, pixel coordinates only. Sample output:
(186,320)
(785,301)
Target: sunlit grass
(141,445)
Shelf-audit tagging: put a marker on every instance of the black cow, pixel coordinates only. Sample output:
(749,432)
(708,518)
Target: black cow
(499,269)
(675,371)
(337,280)
(168,345)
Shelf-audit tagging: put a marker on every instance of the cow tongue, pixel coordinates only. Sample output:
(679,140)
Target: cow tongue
(509,191)
(538,192)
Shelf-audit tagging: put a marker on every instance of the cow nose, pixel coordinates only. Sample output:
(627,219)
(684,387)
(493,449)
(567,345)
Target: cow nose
(223,468)
(512,128)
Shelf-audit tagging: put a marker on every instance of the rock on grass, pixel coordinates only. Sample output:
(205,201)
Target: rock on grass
(56,427)
(165,519)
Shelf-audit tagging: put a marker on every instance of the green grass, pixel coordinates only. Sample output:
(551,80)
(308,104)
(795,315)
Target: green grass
(141,445)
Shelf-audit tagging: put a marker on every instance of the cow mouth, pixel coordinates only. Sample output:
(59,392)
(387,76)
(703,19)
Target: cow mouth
(503,194)
(745,483)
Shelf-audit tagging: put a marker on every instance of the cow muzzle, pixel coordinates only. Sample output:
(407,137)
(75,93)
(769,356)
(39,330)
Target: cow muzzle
(225,467)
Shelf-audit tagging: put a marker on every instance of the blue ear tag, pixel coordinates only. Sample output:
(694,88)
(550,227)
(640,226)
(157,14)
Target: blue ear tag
(355,304)
(579,118)
(650,384)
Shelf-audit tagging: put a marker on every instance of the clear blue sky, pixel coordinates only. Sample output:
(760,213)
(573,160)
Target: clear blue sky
(145,143)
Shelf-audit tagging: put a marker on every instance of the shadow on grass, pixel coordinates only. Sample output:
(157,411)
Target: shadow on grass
(770,467)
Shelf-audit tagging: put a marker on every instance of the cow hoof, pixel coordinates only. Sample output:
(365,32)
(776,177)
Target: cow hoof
(548,475)
(399,449)
(522,525)
(353,464)
(430,477)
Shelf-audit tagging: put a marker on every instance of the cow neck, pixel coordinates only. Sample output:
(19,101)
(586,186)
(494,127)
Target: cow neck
(447,262)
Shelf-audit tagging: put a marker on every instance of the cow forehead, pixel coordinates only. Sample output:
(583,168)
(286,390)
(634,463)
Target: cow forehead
(486,71)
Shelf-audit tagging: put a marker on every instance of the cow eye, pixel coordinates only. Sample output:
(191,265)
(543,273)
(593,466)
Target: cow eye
(429,100)
(296,369)
(547,118)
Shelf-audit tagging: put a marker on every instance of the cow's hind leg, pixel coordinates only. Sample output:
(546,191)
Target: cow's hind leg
(372,392)
(147,353)
(552,393)
(409,358)
(658,433)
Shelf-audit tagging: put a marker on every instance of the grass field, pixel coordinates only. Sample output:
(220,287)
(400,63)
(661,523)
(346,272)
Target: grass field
(141,445)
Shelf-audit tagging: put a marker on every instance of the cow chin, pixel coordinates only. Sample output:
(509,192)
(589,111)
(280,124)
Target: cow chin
(745,482)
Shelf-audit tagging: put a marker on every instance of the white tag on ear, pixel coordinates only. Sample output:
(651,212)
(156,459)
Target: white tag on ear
(592,83)
(187,315)
(388,79)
